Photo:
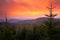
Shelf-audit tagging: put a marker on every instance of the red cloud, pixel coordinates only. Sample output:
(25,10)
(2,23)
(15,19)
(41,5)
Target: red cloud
(17,6)
(57,3)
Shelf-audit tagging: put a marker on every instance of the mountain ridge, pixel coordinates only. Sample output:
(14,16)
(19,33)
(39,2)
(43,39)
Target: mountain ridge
(29,21)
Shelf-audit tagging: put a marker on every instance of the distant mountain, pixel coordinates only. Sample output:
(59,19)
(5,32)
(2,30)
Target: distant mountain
(57,19)
(1,20)
(38,20)
(13,20)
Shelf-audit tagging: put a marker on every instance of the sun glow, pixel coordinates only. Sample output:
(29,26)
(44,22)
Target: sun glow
(28,8)
(26,14)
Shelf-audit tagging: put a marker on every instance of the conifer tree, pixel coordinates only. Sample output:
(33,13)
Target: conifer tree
(50,23)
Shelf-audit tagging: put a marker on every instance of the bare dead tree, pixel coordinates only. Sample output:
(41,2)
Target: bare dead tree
(3,13)
(6,20)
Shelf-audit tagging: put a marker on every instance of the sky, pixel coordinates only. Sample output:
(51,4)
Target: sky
(28,9)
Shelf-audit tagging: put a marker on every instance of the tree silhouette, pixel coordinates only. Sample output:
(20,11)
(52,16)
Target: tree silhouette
(3,5)
(50,23)
(6,21)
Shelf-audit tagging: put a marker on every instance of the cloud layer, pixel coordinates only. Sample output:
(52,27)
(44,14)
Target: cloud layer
(26,8)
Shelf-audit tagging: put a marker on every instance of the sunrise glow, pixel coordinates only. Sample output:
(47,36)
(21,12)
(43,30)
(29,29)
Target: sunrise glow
(28,9)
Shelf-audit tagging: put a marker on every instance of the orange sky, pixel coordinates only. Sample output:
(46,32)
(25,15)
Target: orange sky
(29,9)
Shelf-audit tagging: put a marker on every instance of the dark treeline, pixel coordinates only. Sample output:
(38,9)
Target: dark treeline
(30,31)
